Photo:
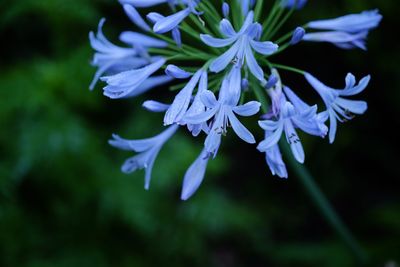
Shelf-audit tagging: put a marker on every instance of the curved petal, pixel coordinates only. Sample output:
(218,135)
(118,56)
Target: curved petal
(264,48)
(255,69)
(271,139)
(222,61)
(248,109)
(239,128)
(194,176)
(226,28)
(216,42)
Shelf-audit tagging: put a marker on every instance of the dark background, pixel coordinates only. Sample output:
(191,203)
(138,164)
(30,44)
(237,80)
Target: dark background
(64,202)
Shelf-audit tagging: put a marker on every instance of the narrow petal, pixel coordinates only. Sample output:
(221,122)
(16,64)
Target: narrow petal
(239,128)
(216,42)
(176,72)
(135,17)
(294,142)
(272,139)
(194,176)
(222,61)
(332,126)
(255,69)
(168,23)
(264,48)
(353,106)
(155,106)
(226,28)
(249,109)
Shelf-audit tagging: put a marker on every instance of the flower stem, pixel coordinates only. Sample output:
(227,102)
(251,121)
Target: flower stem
(316,194)
(323,204)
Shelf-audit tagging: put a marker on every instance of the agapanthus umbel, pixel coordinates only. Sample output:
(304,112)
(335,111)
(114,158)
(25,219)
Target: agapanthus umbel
(221,56)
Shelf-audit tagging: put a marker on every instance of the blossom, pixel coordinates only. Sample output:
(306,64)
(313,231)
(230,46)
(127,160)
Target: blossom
(346,32)
(224,73)
(339,108)
(134,82)
(242,45)
(148,150)
(181,102)
(223,112)
(289,118)
(109,56)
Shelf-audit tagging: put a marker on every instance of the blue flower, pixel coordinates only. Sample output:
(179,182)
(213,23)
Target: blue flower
(339,108)
(148,150)
(182,100)
(134,82)
(243,43)
(194,175)
(291,117)
(224,111)
(109,56)
(346,32)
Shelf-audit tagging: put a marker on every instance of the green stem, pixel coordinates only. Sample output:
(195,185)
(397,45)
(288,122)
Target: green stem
(323,204)
(288,68)
(316,194)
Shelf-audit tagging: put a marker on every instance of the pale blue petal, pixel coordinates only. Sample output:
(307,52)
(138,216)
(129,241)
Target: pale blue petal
(249,109)
(255,69)
(356,89)
(176,72)
(194,176)
(216,42)
(155,106)
(168,23)
(135,17)
(181,102)
(222,61)
(239,128)
(354,106)
(294,142)
(135,38)
(272,139)
(332,125)
(226,28)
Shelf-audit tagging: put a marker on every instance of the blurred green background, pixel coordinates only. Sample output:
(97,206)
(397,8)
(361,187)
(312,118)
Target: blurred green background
(64,201)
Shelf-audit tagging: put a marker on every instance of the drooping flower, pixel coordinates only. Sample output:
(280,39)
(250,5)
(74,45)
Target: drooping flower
(346,32)
(148,150)
(339,108)
(242,45)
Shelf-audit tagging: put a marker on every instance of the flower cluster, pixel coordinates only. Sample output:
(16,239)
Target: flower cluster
(220,60)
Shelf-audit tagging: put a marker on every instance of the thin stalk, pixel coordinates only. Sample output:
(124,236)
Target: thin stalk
(281,22)
(257,10)
(317,196)
(323,204)
(288,68)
